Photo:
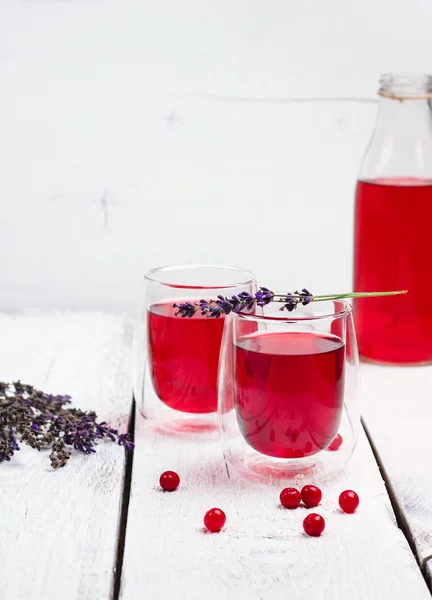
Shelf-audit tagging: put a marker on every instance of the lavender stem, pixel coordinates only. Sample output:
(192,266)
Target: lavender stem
(245,301)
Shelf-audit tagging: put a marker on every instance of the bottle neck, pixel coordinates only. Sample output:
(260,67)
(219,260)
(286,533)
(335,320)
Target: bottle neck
(401,145)
(409,117)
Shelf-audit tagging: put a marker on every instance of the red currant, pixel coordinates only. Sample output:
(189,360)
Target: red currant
(169,481)
(311,495)
(214,519)
(349,501)
(336,443)
(314,525)
(290,497)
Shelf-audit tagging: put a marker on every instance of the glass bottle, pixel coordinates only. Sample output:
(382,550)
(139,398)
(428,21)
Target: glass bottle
(393,226)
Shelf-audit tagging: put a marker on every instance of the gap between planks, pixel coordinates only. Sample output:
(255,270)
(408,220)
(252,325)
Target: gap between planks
(397,413)
(428,572)
(127,483)
(263,553)
(60,533)
(397,509)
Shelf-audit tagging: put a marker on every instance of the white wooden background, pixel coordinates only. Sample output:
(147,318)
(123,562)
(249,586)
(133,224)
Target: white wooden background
(124,123)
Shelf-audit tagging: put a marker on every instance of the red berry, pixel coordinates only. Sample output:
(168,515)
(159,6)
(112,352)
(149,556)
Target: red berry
(290,497)
(349,501)
(214,519)
(314,525)
(336,443)
(311,495)
(169,481)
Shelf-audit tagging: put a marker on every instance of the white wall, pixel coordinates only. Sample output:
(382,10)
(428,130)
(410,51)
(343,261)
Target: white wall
(98,183)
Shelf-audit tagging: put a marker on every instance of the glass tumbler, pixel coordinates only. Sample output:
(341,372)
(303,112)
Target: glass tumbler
(176,358)
(288,406)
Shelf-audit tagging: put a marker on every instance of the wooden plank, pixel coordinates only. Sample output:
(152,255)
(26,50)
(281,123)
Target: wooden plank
(262,553)
(428,570)
(397,413)
(59,528)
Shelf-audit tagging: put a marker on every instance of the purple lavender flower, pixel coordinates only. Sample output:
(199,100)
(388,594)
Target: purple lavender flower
(8,444)
(19,387)
(264,296)
(13,439)
(305,296)
(245,301)
(203,306)
(103,430)
(124,440)
(248,301)
(185,309)
(83,441)
(224,304)
(235,303)
(44,421)
(215,311)
(290,302)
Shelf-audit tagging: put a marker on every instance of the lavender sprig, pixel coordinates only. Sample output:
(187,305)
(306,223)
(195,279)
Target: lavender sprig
(44,422)
(223,305)
(245,301)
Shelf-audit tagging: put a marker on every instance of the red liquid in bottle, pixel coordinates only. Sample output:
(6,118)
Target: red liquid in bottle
(393,251)
(289,390)
(184,358)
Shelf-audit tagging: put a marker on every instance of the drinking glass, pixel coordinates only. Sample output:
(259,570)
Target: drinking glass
(176,384)
(287,390)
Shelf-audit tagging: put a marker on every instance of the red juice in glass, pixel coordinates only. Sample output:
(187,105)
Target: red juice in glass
(289,391)
(393,251)
(184,357)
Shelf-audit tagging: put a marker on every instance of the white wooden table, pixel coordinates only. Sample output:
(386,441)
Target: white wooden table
(62,534)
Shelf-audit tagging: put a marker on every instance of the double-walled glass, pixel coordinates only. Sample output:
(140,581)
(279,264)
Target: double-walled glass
(287,391)
(176,358)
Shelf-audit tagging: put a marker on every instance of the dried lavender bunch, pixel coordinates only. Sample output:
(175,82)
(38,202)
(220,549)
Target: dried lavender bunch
(44,422)
(246,301)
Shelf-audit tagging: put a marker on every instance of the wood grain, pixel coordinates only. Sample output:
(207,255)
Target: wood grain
(59,528)
(397,413)
(262,553)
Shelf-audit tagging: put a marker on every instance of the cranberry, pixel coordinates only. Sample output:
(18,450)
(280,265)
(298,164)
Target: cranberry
(314,525)
(290,497)
(169,481)
(336,443)
(311,495)
(214,519)
(349,501)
